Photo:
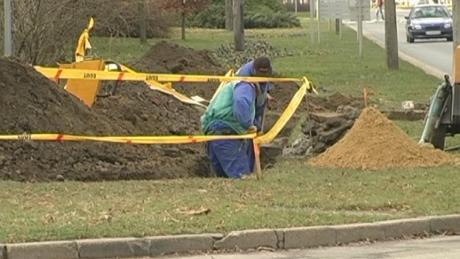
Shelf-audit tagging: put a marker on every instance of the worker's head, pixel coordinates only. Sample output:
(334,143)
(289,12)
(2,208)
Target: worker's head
(262,66)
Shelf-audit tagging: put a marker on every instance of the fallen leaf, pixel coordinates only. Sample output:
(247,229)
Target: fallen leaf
(451,232)
(203,211)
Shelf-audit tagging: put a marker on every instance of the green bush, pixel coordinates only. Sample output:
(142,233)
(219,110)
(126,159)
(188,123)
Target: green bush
(258,14)
(274,5)
(211,17)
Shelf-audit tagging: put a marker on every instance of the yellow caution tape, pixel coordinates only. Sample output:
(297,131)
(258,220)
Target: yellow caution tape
(126,139)
(221,86)
(166,88)
(62,73)
(266,138)
(287,114)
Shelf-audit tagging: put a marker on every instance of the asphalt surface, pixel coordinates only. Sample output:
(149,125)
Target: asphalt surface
(437,247)
(436,52)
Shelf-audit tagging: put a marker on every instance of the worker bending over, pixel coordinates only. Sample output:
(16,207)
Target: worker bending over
(233,112)
(265,69)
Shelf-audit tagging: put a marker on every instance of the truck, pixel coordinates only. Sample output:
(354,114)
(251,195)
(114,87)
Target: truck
(443,117)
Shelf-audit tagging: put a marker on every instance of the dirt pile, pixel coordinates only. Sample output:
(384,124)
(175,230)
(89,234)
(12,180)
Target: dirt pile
(139,110)
(330,117)
(172,58)
(322,130)
(230,58)
(32,103)
(374,142)
(284,91)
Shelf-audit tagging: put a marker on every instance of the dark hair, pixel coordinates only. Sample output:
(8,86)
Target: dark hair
(262,65)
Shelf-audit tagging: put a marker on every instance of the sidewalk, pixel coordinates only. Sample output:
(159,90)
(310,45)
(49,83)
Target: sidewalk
(266,239)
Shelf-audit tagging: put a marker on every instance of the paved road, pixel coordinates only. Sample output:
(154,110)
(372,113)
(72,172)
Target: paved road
(436,53)
(437,247)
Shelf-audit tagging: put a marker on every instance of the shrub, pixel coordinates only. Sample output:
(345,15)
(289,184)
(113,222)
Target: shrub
(211,17)
(258,14)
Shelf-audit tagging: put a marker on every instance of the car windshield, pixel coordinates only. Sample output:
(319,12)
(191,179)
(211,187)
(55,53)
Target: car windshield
(429,12)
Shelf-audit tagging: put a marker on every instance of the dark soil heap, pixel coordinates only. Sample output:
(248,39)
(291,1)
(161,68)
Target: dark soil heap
(139,110)
(32,103)
(172,58)
(374,142)
(168,58)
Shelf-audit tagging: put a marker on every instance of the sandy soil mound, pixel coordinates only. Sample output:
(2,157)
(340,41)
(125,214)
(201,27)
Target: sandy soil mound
(374,142)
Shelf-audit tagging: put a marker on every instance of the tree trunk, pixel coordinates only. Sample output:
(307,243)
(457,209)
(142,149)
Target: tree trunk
(183,26)
(8,37)
(229,15)
(456,25)
(238,24)
(391,35)
(141,8)
(337,26)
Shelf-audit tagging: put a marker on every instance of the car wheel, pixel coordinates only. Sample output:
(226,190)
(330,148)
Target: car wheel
(409,39)
(450,39)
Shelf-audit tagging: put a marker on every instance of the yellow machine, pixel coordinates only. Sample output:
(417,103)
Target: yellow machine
(86,90)
(89,90)
(83,43)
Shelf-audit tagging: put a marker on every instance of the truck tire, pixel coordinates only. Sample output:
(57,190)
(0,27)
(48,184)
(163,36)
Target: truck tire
(439,138)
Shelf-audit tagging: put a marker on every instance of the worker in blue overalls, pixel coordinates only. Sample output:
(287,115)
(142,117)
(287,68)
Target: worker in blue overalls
(262,100)
(236,110)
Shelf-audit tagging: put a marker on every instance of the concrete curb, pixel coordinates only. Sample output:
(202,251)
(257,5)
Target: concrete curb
(430,70)
(288,238)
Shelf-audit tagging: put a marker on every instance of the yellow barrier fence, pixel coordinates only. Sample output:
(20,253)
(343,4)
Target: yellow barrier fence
(287,114)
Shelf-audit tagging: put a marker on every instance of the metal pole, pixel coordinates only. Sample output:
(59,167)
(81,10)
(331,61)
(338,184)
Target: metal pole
(340,29)
(319,21)
(7,28)
(312,21)
(360,27)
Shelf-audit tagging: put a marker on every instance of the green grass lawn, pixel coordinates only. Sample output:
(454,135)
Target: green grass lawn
(291,194)
(333,64)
